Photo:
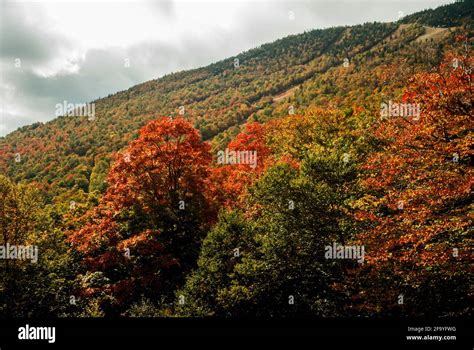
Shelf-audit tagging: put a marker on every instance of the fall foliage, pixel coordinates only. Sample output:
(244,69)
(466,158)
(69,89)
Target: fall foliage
(135,215)
(419,185)
(148,224)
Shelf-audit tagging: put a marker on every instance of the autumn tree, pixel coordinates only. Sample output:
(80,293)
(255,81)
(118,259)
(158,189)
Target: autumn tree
(147,229)
(231,180)
(268,258)
(419,198)
(40,283)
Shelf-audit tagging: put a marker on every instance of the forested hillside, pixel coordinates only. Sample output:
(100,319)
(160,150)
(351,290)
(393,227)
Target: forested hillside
(445,16)
(73,153)
(140,212)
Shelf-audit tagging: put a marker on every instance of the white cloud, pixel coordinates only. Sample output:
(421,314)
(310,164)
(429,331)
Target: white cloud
(75,51)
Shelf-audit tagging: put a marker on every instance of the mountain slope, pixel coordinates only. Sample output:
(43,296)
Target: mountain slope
(451,15)
(340,67)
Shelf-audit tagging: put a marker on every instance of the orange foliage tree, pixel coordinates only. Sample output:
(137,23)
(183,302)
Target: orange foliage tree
(232,180)
(419,197)
(146,231)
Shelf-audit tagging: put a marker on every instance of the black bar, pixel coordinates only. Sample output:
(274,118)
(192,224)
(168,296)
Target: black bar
(352,332)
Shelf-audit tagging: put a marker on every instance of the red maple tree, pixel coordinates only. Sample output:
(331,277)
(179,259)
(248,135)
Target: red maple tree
(232,180)
(420,185)
(147,229)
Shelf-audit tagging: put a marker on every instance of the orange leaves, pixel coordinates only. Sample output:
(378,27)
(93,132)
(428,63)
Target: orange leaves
(424,172)
(231,180)
(158,199)
(168,156)
(142,243)
(252,138)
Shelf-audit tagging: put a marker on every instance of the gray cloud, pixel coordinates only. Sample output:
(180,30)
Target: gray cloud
(27,97)
(27,38)
(165,7)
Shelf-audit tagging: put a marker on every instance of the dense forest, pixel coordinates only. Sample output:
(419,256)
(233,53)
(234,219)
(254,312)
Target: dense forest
(235,189)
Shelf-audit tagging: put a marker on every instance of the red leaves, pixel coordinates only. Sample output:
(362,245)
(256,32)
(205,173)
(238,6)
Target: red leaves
(427,166)
(167,165)
(169,156)
(231,180)
(253,139)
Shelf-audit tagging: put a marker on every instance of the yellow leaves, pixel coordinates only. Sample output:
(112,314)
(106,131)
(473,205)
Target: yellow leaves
(367,202)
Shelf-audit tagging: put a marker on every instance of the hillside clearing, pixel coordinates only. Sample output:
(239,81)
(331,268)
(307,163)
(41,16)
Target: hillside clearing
(285,94)
(433,33)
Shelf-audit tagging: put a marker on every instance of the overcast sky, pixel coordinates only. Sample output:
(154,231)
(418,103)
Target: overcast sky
(51,51)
